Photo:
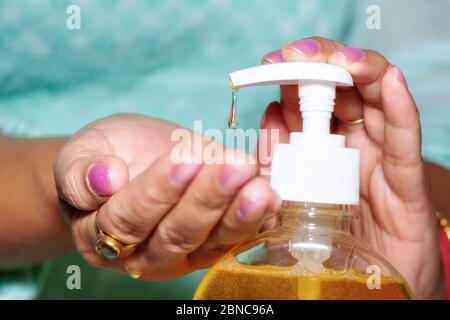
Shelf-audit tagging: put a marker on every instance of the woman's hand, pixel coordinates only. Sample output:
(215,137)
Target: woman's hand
(183,216)
(397,215)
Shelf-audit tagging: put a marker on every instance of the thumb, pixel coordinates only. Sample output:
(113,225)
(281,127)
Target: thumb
(86,181)
(273,131)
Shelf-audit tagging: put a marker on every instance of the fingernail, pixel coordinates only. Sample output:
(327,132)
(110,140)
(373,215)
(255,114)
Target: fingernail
(99,179)
(272,57)
(307,47)
(400,76)
(183,173)
(351,54)
(232,177)
(250,210)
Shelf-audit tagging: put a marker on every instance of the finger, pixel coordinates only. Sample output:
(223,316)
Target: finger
(315,49)
(402,137)
(84,233)
(273,131)
(367,68)
(133,212)
(255,203)
(86,180)
(200,209)
(319,49)
(272,57)
(288,94)
(348,108)
(290,107)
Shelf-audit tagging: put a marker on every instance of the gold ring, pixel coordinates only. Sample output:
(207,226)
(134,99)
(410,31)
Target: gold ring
(108,246)
(355,122)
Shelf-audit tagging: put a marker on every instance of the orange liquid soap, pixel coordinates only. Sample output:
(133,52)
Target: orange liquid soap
(306,257)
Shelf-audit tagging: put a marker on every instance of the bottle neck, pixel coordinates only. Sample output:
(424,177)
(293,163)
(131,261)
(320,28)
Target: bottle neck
(315,217)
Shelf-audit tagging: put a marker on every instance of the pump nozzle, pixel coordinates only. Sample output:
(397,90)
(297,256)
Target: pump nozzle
(317,86)
(315,166)
(289,73)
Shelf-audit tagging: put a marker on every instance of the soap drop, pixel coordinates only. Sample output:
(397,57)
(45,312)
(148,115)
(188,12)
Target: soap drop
(133,274)
(233,117)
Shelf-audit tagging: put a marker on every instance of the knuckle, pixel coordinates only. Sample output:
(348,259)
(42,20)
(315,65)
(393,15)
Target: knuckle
(125,228)
(150,198)
(142,203)
(176,242)
(202,199)
(155,195)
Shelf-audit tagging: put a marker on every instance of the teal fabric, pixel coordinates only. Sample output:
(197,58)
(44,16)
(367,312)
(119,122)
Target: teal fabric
(170,59)
(22,284)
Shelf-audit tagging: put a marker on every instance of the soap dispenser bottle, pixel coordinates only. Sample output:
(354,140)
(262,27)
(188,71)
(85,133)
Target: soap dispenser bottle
(311,253)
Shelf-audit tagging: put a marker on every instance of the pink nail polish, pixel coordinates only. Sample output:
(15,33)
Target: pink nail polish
(249,210)
(232,177)
(272,57)
(307,47)
(351,54)
(99,179)
(183,173)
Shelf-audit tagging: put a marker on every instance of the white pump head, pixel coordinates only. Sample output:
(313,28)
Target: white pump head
(315,166)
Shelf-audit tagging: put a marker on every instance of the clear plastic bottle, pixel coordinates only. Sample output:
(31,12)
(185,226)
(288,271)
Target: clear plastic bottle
(310,254)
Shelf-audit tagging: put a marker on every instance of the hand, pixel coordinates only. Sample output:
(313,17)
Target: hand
(182,216)
(397,216)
